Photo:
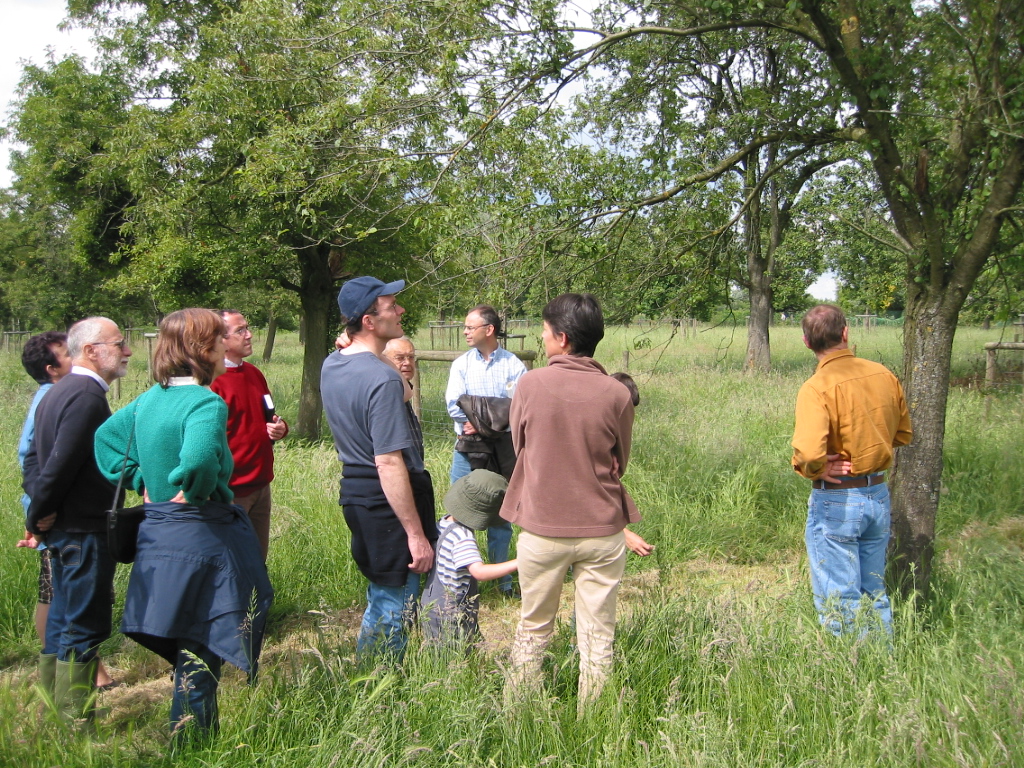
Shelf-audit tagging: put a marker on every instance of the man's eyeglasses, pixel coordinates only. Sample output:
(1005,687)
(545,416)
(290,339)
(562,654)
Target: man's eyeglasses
(123,343)
(238,331)
(471,328)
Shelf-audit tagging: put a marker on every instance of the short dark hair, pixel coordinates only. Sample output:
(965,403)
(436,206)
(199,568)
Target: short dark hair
(626,380)
(225,312)
(183,343)
(38,353)
(823,327)
(354,325)
(490,317)
(579,317)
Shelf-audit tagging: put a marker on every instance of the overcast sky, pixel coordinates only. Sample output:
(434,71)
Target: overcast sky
(29,28)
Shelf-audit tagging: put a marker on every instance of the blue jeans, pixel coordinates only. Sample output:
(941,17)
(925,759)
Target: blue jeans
(847,536)
(460,466)
(390,612)
(194,701)
(81,611)
(499,537)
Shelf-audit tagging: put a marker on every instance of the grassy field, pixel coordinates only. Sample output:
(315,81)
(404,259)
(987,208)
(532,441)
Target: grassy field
(720,660)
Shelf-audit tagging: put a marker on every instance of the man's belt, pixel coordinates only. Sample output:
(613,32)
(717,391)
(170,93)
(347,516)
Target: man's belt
(864,481)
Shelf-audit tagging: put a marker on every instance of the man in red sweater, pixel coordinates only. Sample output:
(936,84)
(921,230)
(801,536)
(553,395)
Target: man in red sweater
(252,425)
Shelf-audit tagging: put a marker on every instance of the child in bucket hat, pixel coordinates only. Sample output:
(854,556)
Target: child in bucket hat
(450,602)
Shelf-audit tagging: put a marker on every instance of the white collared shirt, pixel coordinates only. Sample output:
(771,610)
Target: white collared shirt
(472,375)
(83,371)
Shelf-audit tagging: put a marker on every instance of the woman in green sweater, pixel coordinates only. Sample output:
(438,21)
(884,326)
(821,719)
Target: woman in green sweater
(199,591)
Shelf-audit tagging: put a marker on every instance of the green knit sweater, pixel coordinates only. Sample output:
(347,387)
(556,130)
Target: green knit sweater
(180,444)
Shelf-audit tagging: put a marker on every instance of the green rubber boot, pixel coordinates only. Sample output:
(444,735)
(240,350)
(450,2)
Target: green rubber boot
(74,693)
(47,674)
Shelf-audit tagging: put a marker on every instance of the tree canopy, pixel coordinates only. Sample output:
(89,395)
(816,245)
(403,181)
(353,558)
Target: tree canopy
(710,144)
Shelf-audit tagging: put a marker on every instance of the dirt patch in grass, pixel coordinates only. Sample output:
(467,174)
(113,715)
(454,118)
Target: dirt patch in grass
(1008,531)
(147,683)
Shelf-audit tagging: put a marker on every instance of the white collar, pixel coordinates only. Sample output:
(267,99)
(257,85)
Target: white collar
(490,358)
(81,370)
(182,381)
(229,364)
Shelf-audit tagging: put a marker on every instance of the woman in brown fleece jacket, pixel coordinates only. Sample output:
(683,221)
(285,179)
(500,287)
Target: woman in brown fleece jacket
(572,428)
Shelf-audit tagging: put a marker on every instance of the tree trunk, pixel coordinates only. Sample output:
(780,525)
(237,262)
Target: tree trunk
(759,355)
(759,287)
(268,348)
(917,477)
(317,297)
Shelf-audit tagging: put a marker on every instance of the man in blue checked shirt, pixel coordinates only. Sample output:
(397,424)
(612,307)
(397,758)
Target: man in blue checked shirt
(487,370)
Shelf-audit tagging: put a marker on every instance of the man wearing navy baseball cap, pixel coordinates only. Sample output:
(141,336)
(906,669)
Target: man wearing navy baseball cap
(386,493)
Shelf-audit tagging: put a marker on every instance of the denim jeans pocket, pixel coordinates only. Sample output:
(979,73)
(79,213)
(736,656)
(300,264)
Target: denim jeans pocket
(71,555)
(842,519)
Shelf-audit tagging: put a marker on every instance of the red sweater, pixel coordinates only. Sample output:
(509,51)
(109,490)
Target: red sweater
(568,421)
(243,389)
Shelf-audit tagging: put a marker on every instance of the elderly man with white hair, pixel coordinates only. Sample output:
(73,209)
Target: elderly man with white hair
(68,512)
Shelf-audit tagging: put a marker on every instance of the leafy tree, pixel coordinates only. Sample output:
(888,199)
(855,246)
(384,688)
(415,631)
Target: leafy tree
(846,219)
(930,94)
(936,91)
(269,140)
(70,200)
(726,121)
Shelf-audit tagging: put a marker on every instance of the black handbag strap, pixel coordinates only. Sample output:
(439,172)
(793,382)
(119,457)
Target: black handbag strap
(124,464)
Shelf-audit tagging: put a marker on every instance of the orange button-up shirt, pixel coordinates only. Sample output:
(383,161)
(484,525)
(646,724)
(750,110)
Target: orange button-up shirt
(852,407)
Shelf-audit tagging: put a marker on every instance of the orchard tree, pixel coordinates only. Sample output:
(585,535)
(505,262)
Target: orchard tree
(730,122)
(844,218)
(930,94)
(270,140)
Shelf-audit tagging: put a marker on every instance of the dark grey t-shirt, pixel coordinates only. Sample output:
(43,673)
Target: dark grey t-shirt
(363,400)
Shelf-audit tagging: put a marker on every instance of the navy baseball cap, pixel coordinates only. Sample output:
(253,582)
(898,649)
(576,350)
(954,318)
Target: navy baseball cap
(359,293)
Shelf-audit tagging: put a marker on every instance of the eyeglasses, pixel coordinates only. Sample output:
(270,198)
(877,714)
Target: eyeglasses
(238,331)
(123,343)
(471,328)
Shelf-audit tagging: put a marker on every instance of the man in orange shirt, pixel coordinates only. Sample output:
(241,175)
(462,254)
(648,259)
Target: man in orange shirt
(850,416)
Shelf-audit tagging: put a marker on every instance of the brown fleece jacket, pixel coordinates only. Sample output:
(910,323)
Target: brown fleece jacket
(572,428)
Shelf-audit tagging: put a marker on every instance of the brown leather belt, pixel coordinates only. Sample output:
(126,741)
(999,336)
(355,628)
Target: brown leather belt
(854,482)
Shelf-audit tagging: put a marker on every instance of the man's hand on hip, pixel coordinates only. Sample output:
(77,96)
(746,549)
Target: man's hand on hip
(836,468)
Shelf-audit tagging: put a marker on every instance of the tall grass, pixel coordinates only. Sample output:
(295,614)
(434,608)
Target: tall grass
(720,660)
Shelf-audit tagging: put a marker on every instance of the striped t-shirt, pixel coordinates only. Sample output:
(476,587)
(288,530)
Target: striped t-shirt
(457,551)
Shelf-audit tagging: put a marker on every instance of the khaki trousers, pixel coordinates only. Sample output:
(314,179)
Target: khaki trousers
(257,507)
(597,567)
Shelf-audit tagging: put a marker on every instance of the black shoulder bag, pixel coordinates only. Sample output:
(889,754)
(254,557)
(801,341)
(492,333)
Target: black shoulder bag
(123,522)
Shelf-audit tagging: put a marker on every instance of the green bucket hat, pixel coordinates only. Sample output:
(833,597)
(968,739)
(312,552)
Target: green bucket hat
(474,500)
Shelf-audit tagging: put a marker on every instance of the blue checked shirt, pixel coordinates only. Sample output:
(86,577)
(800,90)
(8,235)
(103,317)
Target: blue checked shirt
(470,375)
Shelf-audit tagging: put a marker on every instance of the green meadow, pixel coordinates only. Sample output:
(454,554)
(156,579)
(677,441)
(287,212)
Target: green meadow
(720,661)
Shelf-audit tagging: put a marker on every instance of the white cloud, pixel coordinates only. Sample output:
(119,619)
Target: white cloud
(824,288)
